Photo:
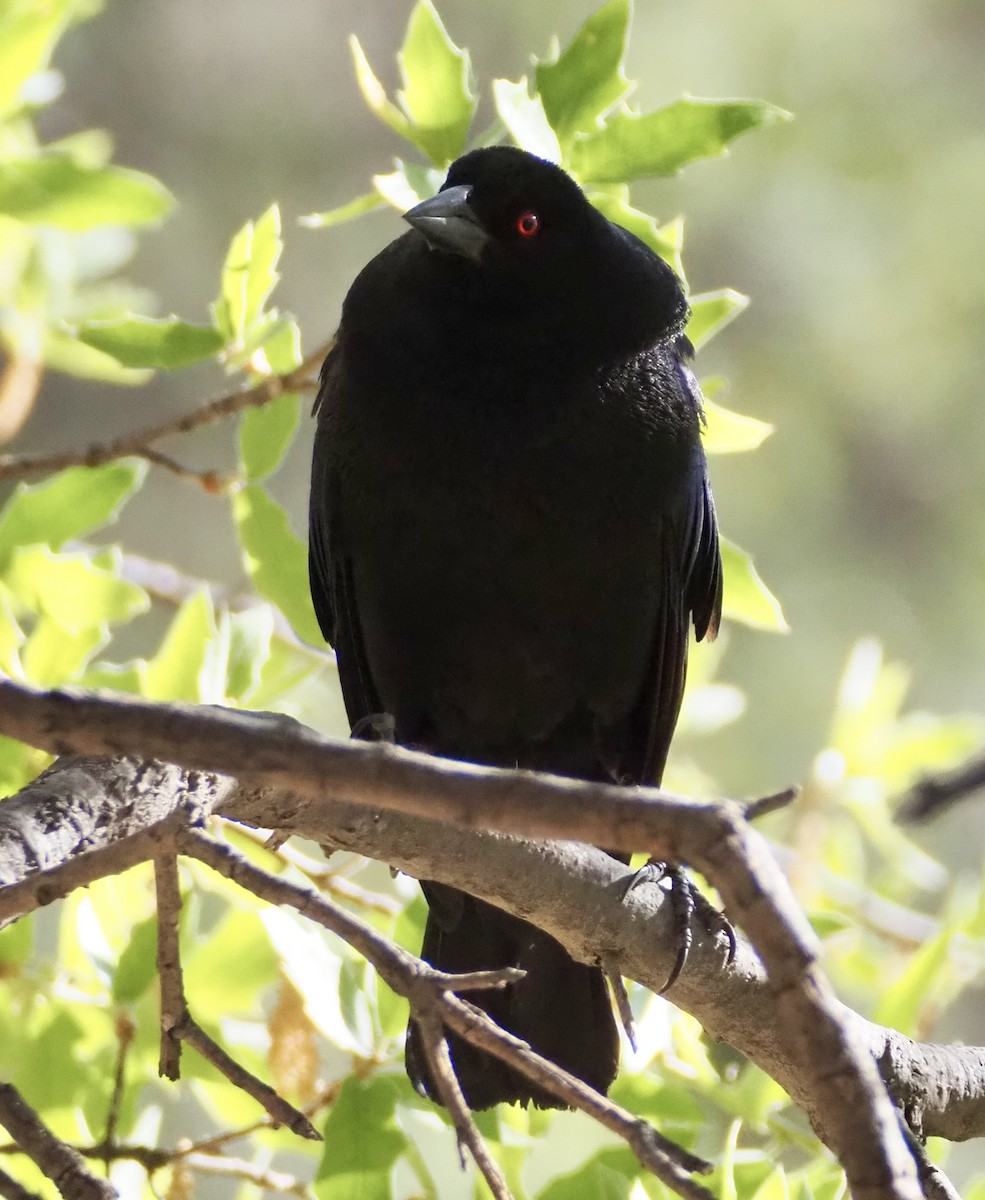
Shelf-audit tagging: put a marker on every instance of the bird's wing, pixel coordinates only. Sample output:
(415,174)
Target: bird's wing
(690,571)
(329,569)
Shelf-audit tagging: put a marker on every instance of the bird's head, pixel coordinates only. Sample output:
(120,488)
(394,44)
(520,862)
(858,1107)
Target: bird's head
(521,228)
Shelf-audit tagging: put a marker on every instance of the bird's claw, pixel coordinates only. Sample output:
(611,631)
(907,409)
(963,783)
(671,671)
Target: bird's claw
(686,903)
(376,727)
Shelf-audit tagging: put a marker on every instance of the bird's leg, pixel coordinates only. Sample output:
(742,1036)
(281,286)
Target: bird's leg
(686,903)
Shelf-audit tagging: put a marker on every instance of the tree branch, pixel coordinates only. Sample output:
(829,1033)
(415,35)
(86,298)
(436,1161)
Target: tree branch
(139,444)
(711,836)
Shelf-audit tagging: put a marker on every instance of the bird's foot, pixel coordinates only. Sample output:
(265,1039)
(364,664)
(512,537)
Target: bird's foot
(686,904)
(376,727)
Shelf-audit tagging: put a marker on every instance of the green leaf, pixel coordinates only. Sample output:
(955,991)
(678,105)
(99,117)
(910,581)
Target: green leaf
(747,598)
(177,670)
(63,351)
(362,1142)
(249,275)
(374,92)
(78,591)
(28,32)
(136,341)
(67,505)
(280,347)
(250,633)
(54,655)
(632,146)
(436,93)
(265,252)
(587,79)
(265,434)
(276,559)
(408,185)
(136,968)
(728,432)
(523,115)
(345,212)
(55,189)
(711,312)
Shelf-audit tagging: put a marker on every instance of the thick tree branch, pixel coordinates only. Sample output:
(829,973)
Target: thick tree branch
(713,837)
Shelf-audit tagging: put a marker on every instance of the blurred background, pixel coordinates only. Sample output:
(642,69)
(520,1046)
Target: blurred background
(856,230)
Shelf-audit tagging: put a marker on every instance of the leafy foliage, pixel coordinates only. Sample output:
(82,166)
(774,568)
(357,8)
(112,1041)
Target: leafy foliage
(287,1002)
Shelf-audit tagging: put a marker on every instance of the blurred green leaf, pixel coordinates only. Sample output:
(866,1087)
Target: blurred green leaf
(265,434)
(728,432)
(362,1142)
(62,351)
(608,1175)
(524,117)
(631,146)
(436,93)
(136,341)
(176,671)
(276,559)
(374,92)
(902,1001)
(407,186)
(72,589)
(55,189)
(747,598)
(136,968)
(249,275)
(54,655)
(67,505)
(28,31)
(250,633)
(345,212)
(587,79)
(711,312)
(280,348)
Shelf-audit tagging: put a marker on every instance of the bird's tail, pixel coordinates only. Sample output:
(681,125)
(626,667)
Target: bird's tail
(561,1008)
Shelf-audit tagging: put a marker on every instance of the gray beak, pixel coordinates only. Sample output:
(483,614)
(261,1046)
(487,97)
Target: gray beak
(448,223)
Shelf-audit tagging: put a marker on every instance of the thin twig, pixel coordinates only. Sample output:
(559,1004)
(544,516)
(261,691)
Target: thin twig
(238,1168)
(173,1006)
(280,1111)
(10,1189)
(771,804)
(64,1166)
(15,466)
(125,1031)
(469,1138)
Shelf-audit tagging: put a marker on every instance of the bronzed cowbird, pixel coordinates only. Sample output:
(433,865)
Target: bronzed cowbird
(511,529)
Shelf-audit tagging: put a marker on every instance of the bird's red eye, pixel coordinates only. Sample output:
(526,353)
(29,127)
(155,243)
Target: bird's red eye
(528,224)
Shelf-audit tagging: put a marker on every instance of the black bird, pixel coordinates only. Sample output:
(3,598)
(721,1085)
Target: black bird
(510,529)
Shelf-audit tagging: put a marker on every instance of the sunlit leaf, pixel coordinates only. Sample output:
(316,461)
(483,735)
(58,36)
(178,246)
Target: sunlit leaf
(345,212)
(523,115)
(634,146)
(275,558)
(136,341)
(67,505)
(711,312)
(362,1142)
(57,190)
(747,598)
(436,94)
(176,671)
(728,432)
(27,34)
(265,434)
(375,94)
(587,79)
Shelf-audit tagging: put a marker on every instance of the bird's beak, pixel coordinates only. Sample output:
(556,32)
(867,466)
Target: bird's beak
(448,223)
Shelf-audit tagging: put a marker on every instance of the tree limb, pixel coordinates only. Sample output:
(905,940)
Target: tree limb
(711,836)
